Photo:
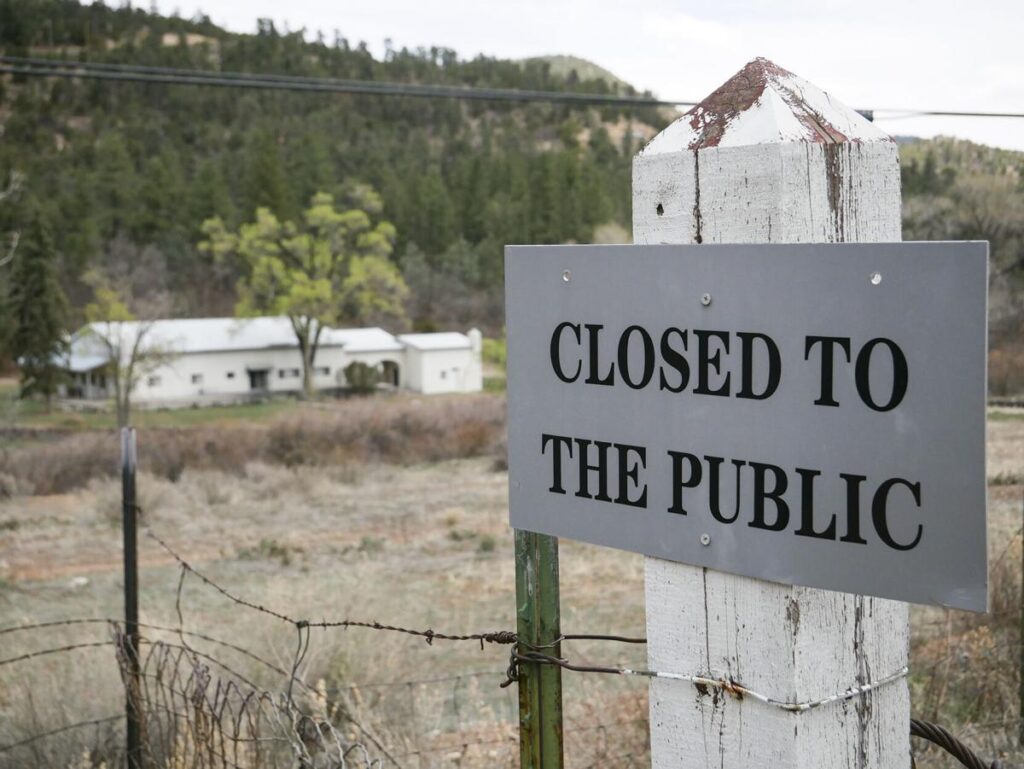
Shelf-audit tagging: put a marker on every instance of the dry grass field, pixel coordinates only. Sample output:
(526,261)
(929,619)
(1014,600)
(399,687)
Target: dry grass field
(371,532)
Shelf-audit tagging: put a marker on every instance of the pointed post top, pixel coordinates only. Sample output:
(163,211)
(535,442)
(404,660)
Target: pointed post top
(765,104)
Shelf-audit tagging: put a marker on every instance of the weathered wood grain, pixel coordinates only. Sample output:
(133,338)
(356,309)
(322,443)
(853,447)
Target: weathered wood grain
(769,158)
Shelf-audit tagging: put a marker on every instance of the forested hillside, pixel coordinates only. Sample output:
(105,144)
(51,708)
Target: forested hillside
(957,190)
(128,171)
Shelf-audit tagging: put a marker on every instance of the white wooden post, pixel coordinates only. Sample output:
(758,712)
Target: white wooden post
(770,158)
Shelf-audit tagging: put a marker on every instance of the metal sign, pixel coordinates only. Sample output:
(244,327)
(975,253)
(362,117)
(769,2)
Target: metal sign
(807,414)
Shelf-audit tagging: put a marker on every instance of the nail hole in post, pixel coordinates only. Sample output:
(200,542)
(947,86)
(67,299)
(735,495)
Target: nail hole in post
(876,278)
(566,276)
(660,209)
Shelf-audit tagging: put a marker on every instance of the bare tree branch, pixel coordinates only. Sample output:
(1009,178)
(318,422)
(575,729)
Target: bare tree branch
(12,247)
(14,186)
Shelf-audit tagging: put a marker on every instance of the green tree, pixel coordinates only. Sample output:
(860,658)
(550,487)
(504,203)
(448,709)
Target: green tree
(331,266)
(361,378)
(161,197)
(265,184)
(116,185)
(209,195)
(38,309)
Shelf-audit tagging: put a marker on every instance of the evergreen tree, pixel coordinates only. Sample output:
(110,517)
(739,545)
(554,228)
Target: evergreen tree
(116,161)
(115,186)
(38,309)
(209,196)
(265,185)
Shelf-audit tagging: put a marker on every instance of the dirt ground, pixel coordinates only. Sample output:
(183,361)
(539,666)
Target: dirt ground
(423,546)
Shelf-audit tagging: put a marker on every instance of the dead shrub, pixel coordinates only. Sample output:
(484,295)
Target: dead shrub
(966,666)
(1006,370)
(69,463)
(399,431)
(366,430)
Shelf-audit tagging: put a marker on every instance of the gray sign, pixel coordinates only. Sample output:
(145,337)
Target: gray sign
(807,414)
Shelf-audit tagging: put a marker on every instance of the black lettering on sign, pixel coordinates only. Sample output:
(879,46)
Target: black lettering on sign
(772,484)
(853,483)
(708,360)
(601,468)
(647,345)
(828,343)
(880,513)
(807,508)
(632,460)
(678,484)
(747,339)
(556,347)
(593,332)
(779,485)
(675,360)
(714,465)
(631,474)
(900,374)
(558,441)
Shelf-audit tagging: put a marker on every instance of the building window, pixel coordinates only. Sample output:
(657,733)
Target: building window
(197,379)
(153,381)
(287,373)
(231,375)
(323,370)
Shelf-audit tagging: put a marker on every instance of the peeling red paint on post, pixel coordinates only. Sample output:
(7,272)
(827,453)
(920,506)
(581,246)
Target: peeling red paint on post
(763,125)
(765,97)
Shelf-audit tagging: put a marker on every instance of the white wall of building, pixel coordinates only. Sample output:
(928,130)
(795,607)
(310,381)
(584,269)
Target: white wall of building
(441,371)
(229,374)
(426,363)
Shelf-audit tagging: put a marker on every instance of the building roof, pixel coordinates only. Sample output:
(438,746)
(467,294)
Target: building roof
(449,340)
(78,363)
(198,335)
(364,339)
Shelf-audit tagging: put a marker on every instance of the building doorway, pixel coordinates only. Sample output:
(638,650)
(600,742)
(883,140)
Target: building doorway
(258,379)
(389,373)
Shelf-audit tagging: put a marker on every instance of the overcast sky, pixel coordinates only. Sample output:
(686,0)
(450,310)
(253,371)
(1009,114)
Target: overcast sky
(904,54)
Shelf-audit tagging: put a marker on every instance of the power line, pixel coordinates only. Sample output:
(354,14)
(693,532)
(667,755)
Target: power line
(18,65)
(41,67)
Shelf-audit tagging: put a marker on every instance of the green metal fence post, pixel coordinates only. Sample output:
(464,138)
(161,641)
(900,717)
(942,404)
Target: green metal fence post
(133,716)
(538,624)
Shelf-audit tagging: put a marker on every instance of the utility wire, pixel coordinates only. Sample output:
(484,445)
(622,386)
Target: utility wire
(42,67)
(140,74)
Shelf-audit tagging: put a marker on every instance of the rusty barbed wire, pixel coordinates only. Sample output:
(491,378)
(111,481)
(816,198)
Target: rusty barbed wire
(430,635)
(60,730)
(946,740)
(210,719)
(500,637)
(193,717)
(54,650)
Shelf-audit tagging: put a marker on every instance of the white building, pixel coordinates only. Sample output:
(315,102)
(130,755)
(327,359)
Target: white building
(224,359)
